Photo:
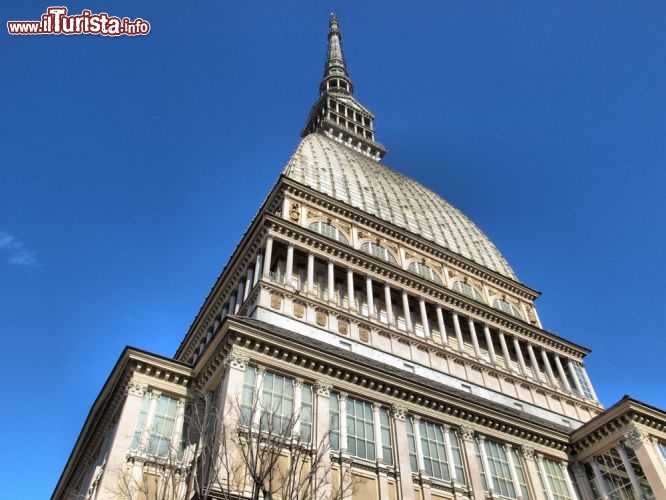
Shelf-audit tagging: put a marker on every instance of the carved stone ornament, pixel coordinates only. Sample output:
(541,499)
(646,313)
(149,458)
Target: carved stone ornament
(299,310)
(466,433)
(235,360)
(298,382)
(635,437)
(135,388)
(343,327)
(321,318)
(364,335)
(528,452)
(323,388)
(276,301)
(295,212)
(398,412)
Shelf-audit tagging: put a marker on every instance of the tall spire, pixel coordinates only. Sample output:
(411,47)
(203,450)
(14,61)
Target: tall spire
(337,113)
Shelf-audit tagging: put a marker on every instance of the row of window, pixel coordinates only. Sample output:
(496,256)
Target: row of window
(282,406)
(419,268)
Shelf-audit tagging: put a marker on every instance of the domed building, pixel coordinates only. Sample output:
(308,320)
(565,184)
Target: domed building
(365,341)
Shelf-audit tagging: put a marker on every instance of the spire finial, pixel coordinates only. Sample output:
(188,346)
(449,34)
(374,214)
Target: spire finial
(337,113)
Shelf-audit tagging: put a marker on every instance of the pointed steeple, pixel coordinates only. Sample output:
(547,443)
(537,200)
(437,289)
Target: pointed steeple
(337,113)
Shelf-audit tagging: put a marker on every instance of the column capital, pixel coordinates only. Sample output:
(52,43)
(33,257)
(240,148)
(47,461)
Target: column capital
(342,396)
(466,433)
(290,244)
(235,360)
(323,388)
(155,395)
(135,388)
(261,370)
(398,412)
(527,451)
(635,437)
(376,407)
(311,253)
(298,382)
(538,457)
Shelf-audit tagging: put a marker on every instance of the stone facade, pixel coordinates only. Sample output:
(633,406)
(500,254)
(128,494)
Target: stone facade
(393,331)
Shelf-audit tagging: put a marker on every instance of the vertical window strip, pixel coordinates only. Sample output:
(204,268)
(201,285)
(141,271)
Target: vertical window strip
(662,449)
(555,477)
(457,457)
(248,400)
(277,404)
(614,474)
(587,390)
(387,444)
(162,427)
(305,414)
(433,446)
(499,469)
(360,429)
(520,473)
(638,471)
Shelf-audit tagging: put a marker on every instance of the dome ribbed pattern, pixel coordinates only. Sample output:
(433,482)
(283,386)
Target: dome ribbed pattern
(336,170)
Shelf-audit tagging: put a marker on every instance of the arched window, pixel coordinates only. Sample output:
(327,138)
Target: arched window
(378,251)
(421,269)
(329,231)
(467,289)
(503,305)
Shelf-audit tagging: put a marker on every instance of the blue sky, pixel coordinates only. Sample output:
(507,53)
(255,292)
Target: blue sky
(131,166)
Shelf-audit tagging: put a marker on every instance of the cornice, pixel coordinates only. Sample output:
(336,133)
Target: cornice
(336,367)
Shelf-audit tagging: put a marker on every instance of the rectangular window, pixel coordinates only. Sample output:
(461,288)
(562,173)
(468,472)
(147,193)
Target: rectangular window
(159,430)
(662,449)
(305,414)
(556,480)
(277,404)
(578,373)
(433,446)
(360,429)
(248,403)
(499,470)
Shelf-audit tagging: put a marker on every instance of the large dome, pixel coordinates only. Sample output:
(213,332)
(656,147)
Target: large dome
(340,172)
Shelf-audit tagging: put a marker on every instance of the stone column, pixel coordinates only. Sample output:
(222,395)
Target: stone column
(567,479)
(519,353)
(549,370)
(258,388)
(178,427)
(232,305)
(532,472)
(389,305)
(544,476)
(424,318)
(638,491)
(599,479)
(310,272)
(268,255)
(486,466)
(582,481)
(449,454)
(248,283)
(475,339)
(650,459)
(377,424)
(289,271)
(298,401)
(405,307)
(512,471)
(416,424)
(574,376)
(489,343)
(505,352)
(456,327)
(257,268)
(239,295)
(331,281)
(467,440)
(371,298)
(322,437)
(563,375)
(342,399)
(350,289)
(405,483)
(441,325)
(534,362)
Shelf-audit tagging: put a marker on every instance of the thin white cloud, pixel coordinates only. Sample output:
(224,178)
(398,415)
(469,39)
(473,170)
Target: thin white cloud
(15,251)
